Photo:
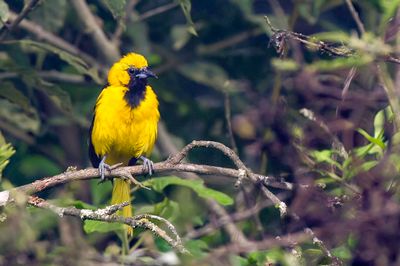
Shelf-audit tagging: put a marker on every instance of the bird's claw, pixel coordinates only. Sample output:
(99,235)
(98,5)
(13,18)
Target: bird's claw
(102,169)
(148,165)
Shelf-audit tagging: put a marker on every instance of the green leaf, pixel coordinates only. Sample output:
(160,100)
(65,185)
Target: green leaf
(371,139)
(4,12)
(50,14)
(186,6)
(180,36)
(76,62)
(101,193)
(207,74)
(90,226)
(9,92)
(389,9)
(285,64)
(340,63)
(16,116)
(197,248)
(331,36)
(159,183)
(138,32)
(59,97)
(6,151)
(117,7)
(325,156)
(342,252)
(167,208)
(366,166)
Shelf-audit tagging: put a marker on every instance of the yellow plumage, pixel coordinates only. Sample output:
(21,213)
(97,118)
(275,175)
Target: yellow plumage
(125,121)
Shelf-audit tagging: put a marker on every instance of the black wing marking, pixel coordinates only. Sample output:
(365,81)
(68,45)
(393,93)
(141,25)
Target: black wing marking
(94,158)
(132,161)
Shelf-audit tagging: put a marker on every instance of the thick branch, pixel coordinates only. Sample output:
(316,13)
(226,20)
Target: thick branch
(172,164)
(160,168)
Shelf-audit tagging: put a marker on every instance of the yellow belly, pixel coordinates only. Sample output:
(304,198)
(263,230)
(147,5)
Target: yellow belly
(121,132)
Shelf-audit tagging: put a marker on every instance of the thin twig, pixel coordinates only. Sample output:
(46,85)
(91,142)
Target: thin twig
(228,114)
(322,246)
(157,10)
(116,37)
(108,215)
(356,17)
(25,11)
(235,217)
(51,75)
(278,203)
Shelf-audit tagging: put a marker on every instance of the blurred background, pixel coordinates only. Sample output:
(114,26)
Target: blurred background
(315,105)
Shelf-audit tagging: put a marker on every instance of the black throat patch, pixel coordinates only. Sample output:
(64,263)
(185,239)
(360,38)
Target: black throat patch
(136,91)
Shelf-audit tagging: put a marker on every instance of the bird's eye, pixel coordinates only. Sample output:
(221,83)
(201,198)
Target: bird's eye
(131,70)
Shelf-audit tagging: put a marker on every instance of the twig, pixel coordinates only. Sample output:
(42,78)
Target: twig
(238,216)
(108,215)
(116,37)
(228,114)
(356,17)
(27,8)
(323,247)
(286,240)
(50,75)
(49,37)
(102,43)
(230,41)
(157,10)
(209,144)
(279,37)
(278,203)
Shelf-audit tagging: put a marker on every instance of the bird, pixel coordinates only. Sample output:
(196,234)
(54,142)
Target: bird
(124,124)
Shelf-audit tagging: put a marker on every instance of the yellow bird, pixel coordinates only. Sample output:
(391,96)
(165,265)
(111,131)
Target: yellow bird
(124,125)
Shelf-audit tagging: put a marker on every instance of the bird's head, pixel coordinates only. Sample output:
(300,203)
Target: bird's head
(132,67)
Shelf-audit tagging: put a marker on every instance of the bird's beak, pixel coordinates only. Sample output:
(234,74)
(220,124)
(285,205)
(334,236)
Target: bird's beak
(145,73)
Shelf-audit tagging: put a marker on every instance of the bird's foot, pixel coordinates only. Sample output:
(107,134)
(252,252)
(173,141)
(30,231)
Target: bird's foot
(102,169)
(148,165)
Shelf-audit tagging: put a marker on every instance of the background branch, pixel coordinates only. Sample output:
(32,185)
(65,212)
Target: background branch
(25,11)
(108,215)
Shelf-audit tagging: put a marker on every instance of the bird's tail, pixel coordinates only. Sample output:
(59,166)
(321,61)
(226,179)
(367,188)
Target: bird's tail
(121,193)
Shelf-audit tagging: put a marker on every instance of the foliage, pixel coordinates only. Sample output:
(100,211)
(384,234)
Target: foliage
(326,122)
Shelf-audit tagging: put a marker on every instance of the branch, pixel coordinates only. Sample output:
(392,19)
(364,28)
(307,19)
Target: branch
(171,164)
(157,10)
(108,215)
(27,8)
(223,220)
(49,37)
(280,37)
(356,17)
(121,26)
(251,246)
(322,246)
(51,75)
(100,40)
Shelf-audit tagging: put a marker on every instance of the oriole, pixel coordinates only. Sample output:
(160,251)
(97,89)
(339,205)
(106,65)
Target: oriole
(124,125)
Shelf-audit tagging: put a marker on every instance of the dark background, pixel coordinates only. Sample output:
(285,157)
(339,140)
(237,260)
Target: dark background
(341,155)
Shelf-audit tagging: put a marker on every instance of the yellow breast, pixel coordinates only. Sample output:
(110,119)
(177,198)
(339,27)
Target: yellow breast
(120,131)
